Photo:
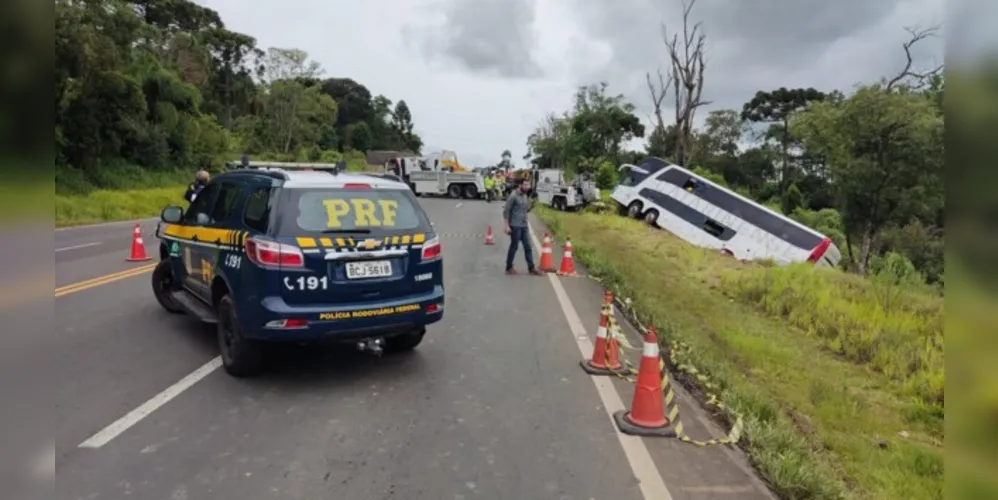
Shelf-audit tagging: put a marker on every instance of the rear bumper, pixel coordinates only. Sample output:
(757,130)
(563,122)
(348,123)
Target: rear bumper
(344,323)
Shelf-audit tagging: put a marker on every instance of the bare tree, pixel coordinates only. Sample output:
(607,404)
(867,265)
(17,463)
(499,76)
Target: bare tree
(687,60)
(658,93)
(918,79)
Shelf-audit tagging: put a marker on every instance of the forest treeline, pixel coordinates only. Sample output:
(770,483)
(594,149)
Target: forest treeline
(153,89)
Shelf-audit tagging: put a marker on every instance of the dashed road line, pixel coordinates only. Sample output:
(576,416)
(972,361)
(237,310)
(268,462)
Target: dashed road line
(75,247)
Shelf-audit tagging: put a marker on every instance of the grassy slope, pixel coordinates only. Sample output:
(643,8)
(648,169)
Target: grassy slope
(817,424)
(104,206)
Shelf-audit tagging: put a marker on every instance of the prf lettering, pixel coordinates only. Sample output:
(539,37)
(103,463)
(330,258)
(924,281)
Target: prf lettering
(365,212)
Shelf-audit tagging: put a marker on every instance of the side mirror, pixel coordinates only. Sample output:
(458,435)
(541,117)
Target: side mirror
(172,214)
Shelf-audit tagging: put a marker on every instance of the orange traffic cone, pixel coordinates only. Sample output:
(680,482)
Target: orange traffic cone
(567,264)
(606,352)
(138,246)
(647,415)
(489,239)
(547,260)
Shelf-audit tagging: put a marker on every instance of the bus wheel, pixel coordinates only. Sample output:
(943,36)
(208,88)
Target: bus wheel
(651,217)
(634,210)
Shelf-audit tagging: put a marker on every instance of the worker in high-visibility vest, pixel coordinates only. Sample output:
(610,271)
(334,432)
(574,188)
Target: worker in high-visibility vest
(490,186)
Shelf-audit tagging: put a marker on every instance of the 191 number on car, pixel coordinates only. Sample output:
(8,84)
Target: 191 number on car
(306,283)
(233,260)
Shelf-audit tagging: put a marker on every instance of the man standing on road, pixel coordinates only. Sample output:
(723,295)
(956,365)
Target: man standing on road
(518,205)
(195,187)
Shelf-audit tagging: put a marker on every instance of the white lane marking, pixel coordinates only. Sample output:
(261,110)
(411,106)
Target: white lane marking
(459,205)
(103,224)
(649,480)
(74,247)
(133,417)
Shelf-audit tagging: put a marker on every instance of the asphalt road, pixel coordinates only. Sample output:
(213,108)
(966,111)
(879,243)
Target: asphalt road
(492,405)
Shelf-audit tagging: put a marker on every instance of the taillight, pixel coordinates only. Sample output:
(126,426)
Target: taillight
(431,250)
(273,254)
(287,323)
(819,250)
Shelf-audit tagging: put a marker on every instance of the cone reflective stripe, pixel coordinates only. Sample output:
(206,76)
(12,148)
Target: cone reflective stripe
(138,251)
(647,415)
(648,405)
(606,358)
(547,259)
(567,263)
(489,240)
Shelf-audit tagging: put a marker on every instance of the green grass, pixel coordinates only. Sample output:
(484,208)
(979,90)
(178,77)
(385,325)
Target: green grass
(822,419)
(108,206)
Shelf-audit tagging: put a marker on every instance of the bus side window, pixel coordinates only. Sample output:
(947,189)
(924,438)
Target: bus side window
(713,228)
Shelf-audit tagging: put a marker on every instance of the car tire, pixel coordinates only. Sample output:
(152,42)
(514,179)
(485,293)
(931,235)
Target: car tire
(404,342)
(634,210)
(162,286)
(241,357)
(650,218)
(454,191)
(470,192)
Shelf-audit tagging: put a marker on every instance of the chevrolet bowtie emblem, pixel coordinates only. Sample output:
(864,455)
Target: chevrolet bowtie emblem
(369,244)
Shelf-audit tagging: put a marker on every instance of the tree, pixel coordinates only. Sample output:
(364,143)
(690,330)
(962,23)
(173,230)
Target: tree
(775,108)
(662,142)
(600,123)
(143,85)
(723,131)
(884,151)
(286,69)
(506,162)
(358,137)
(688,65)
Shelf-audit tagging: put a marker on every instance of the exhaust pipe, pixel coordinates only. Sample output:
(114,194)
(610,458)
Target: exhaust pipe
(374,345)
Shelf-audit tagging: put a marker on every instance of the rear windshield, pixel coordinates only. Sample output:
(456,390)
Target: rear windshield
(350,211)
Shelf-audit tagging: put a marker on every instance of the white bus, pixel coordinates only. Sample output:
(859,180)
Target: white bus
(711,216)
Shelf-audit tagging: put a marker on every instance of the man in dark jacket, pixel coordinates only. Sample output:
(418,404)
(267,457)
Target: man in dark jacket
(518,205)
(195,187)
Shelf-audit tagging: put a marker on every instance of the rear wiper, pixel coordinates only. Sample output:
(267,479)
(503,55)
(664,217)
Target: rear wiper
(347,231)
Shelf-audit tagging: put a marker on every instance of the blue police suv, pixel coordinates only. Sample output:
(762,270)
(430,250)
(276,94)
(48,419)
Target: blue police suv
(295,253)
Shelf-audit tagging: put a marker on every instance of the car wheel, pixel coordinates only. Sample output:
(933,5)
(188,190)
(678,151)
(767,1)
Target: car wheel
(470,192)
(634,210)
(651,217)
(241,357)
(454,191)
(404,342)
(163,285)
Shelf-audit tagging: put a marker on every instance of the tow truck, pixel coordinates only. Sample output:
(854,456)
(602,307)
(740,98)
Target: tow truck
(432,176)
(552,190)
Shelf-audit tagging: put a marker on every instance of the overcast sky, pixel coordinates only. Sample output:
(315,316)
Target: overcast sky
(478,75)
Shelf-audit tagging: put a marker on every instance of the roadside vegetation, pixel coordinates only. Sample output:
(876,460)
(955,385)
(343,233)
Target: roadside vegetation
(813,359)
(839,373)
(147,92)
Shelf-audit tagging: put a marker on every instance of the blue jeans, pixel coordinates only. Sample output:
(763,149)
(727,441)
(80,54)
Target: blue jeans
(518,235)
